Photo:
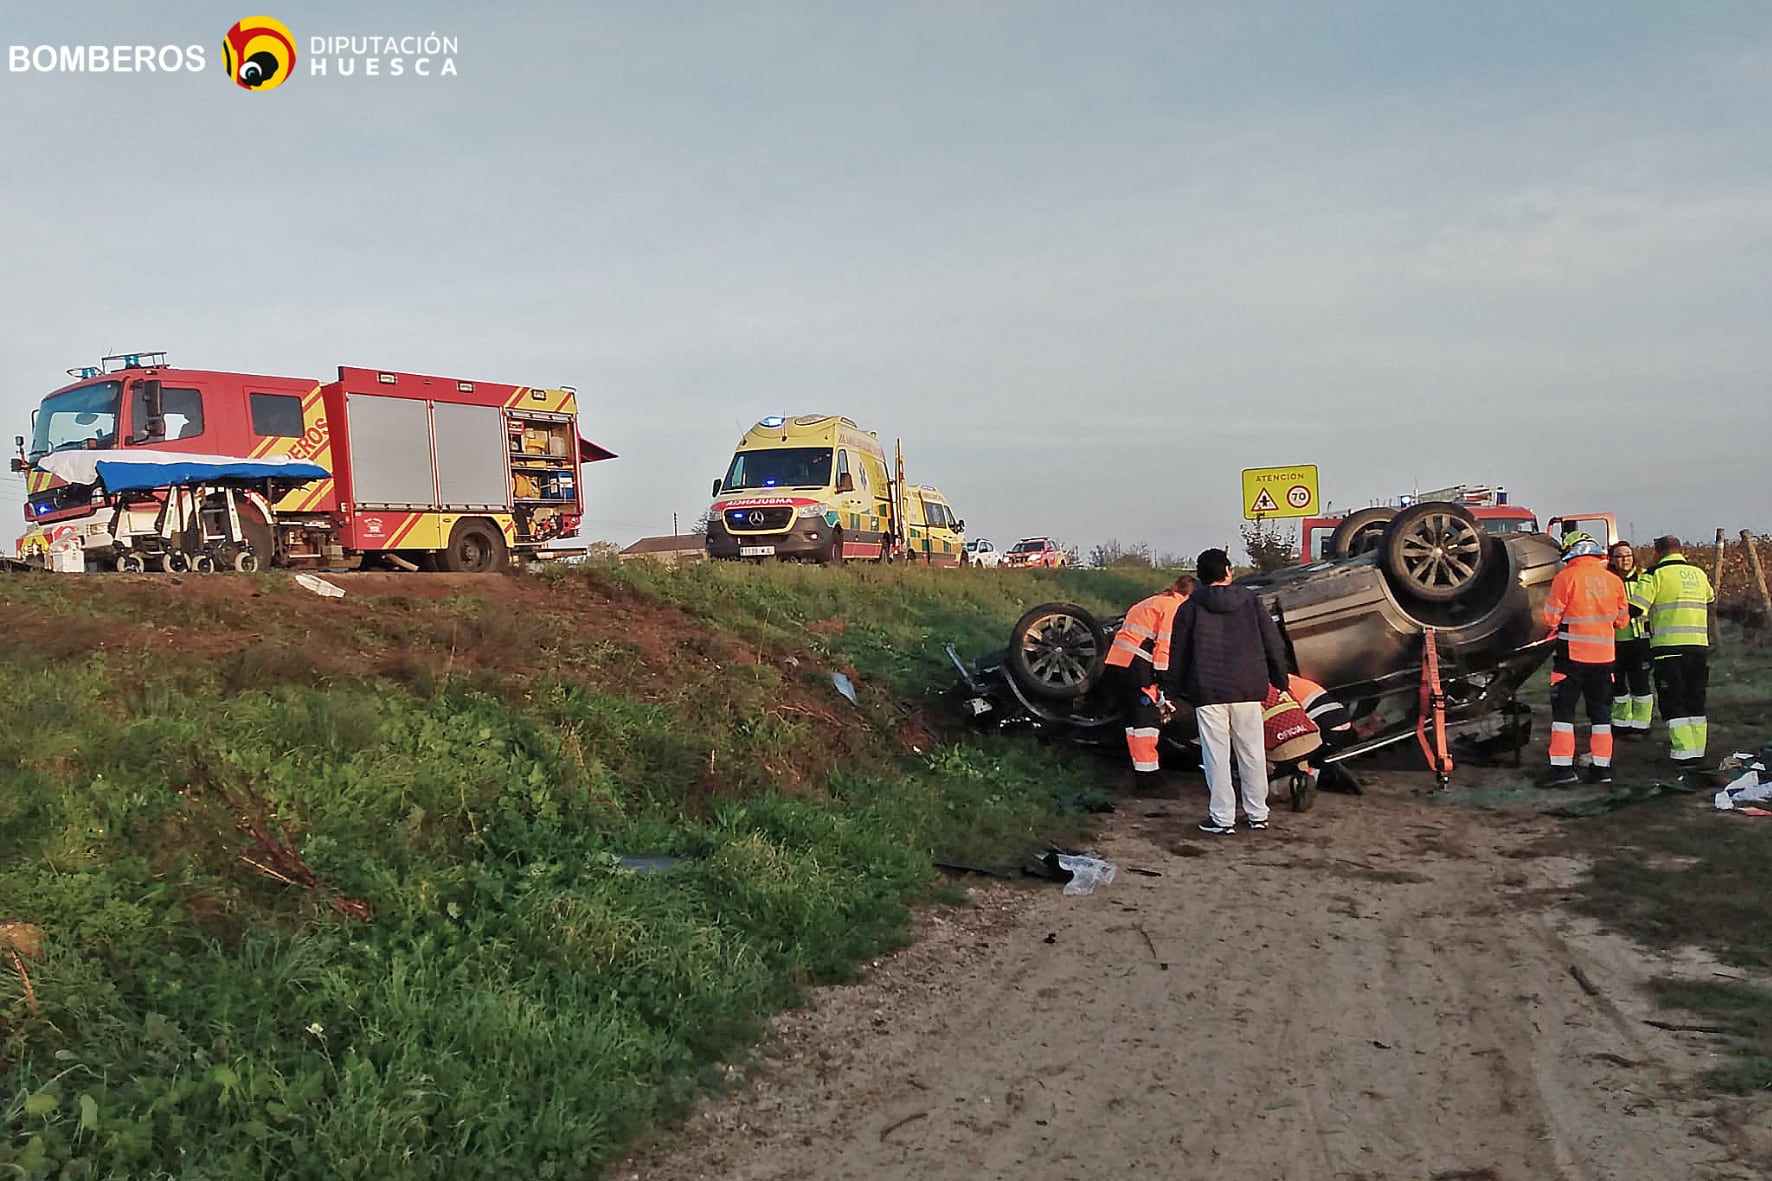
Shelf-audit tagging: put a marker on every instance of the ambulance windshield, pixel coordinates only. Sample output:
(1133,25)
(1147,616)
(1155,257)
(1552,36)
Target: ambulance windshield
(785,467)
(80,416)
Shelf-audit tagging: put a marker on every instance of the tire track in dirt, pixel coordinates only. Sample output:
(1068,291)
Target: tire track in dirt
(1376,991)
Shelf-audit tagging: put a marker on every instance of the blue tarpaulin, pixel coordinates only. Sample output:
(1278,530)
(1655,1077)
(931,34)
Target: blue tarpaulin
(119,476)
(132,470)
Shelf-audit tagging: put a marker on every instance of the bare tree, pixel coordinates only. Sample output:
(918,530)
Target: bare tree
(1270,546)
(1113,553)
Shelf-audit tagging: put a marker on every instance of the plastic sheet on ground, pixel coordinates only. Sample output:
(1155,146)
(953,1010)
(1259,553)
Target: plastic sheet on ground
(1619,798)
(320,586)
(1745,788)
(1086,872)
(647,863)
(845,687)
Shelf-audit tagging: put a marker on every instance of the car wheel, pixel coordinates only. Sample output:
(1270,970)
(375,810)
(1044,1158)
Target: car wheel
(1057,651)
(1435,552)
(1359,532)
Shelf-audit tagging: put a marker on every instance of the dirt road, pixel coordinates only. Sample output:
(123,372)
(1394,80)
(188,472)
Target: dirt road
(1380,989)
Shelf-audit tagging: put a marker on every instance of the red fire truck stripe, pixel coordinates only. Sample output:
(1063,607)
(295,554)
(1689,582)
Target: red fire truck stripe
(400,531)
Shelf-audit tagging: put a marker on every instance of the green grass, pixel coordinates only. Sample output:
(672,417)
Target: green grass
(1674,872)
(893,620)
(515,1004)
(1744,1012)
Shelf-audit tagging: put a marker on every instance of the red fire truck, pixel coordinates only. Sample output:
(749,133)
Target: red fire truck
(414,471)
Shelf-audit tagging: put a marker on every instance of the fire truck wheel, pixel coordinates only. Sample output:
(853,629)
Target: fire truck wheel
(475,547)
(255,531)
(1359,533)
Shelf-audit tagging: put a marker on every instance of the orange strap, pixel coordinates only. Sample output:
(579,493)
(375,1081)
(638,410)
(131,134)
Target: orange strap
(1433,702)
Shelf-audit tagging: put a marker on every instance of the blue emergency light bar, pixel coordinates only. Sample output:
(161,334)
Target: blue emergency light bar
(133,361)
(773,420)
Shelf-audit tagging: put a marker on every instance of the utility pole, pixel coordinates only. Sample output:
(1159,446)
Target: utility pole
(673,524)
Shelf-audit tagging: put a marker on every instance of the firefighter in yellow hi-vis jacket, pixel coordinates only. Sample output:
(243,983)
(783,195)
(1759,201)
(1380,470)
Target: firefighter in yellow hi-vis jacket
(1633,704)
(1676,597)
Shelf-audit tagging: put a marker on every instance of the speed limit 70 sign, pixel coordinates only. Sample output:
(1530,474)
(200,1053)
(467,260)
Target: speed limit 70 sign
(1280,491)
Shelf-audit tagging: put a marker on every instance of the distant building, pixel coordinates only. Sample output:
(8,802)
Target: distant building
(670,549)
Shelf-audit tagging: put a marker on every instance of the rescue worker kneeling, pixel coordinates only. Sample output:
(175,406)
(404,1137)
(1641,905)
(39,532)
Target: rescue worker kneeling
(1291,737)
(1140,652)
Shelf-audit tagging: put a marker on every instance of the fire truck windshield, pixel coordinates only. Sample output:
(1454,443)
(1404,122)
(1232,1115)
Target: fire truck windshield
(785,467)
(85,414)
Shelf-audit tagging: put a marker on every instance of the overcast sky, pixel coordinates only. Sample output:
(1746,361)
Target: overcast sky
(1087,260)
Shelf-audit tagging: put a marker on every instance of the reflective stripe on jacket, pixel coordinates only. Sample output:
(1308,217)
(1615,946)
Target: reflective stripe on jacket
(1586,608)
(1144,633)
(1324,710)
(1637,628)
(1675,596)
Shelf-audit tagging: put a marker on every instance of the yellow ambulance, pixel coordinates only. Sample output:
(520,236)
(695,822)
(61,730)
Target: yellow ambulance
(931,531)
(819,488)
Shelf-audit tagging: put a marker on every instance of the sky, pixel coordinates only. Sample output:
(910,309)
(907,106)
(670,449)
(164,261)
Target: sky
(1087,261)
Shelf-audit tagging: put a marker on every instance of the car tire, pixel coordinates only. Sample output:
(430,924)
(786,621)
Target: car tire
(1435,552)
(1360,532)
(1057,651)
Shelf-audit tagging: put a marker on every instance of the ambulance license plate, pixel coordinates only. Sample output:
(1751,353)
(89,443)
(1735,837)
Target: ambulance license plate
(756,551)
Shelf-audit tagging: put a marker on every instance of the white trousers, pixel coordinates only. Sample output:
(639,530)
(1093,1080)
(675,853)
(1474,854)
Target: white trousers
(1223,727)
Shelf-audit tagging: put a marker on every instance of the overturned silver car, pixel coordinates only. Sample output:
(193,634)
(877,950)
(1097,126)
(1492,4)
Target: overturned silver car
(1362,627)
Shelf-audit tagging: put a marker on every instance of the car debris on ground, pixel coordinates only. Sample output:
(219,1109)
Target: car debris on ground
(1753,784)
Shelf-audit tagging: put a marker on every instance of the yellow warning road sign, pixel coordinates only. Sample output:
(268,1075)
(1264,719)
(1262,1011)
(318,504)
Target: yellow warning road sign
(1280,491)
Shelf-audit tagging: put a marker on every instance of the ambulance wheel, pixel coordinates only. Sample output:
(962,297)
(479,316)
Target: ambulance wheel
(202,564)
(131,564)
(1057,651)
(1359,532)
(834,556)
(475,547)
(1435,551)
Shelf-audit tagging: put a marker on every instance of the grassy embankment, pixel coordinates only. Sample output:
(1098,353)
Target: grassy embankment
(1675,872)
(200,783)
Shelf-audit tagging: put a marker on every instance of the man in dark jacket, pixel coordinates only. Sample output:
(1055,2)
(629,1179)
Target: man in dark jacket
(1223,654)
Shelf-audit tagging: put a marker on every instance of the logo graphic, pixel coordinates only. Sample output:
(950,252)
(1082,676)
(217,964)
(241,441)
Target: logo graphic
(259,53)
